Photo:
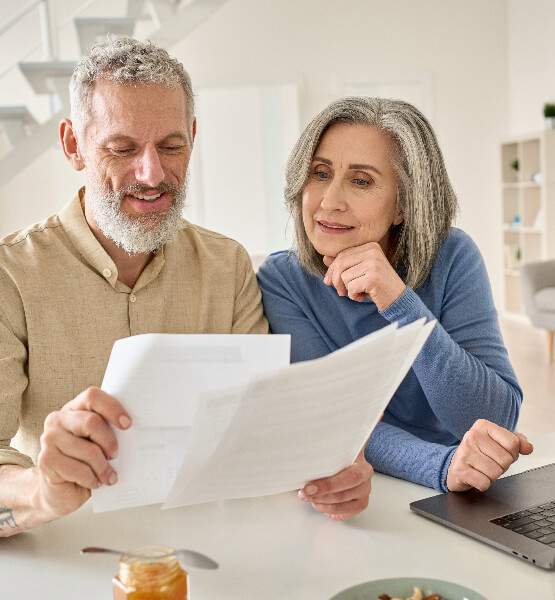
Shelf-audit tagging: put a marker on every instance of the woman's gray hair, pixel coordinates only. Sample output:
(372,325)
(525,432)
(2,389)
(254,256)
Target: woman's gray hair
(424,193)
(124,60)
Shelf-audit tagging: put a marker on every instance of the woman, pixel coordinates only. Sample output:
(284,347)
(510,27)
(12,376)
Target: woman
(372,207)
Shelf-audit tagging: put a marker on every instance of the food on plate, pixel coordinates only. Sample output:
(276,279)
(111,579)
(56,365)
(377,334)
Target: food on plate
(417,595)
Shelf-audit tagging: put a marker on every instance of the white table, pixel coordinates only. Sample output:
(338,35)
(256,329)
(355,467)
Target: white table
(272,548)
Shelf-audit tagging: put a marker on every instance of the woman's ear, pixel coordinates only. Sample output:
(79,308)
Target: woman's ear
(398,219)
(70,145)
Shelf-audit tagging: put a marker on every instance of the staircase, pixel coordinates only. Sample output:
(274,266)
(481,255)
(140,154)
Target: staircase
(24,138)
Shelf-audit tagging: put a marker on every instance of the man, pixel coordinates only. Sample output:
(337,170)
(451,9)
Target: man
(118,260)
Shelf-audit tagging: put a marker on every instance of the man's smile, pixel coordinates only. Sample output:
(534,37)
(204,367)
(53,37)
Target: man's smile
(150,202)
(147,198)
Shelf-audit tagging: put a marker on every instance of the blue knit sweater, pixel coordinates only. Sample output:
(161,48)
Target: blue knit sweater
(462,373)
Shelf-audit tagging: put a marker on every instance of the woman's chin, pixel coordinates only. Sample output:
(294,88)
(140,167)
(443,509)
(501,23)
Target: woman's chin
(330,249)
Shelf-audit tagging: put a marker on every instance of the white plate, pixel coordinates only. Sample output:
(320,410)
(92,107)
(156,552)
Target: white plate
(403,587)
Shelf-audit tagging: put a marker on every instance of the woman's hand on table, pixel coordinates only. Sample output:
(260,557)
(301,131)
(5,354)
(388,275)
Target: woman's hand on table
(344,494)
(76,445)
(484,454)
(364,272)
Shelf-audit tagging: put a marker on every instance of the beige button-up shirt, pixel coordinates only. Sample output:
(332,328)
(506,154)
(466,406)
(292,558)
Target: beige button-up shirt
(62,308)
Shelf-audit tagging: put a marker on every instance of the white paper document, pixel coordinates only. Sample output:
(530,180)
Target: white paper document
(159,378)
(270,432)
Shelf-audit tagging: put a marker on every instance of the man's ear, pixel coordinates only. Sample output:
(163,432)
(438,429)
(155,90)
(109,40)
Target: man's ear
(194,128)
(70,145)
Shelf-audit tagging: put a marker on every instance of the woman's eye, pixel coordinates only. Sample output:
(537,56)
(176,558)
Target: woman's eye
(362,182)
(321,175)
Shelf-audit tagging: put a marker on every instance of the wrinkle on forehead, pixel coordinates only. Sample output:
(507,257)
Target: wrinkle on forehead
(138,111)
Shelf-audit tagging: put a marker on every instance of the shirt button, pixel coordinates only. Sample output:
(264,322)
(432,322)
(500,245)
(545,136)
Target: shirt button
(132,298)
(107,273)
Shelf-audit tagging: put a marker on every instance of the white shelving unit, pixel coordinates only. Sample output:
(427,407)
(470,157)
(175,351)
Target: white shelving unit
(528,211)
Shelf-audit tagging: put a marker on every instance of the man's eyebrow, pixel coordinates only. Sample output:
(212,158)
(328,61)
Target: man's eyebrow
(125,138)
(354,166)
(177,134)
(117,138)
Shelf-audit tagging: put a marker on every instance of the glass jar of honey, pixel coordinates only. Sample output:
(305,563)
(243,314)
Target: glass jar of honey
(152,576)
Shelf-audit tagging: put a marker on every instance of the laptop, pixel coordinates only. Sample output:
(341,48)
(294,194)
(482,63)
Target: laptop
(516,514)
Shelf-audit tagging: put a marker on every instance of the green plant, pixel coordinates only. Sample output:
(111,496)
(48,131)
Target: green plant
(548,110)
(514,164)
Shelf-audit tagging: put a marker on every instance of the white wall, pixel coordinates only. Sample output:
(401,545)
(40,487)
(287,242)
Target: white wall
(531,62)
(236,170)
(460,47)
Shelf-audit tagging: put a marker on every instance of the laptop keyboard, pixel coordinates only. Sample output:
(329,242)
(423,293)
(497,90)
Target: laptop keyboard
(536,523)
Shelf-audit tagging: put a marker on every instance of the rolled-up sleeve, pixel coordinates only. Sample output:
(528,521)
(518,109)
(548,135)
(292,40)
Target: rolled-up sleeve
(13,382)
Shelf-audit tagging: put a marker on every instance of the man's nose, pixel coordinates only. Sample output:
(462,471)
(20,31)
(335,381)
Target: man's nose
(334,197)
(149,170)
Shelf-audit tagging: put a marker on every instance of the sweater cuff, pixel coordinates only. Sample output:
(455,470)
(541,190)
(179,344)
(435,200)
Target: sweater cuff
(402,306)
(443,472)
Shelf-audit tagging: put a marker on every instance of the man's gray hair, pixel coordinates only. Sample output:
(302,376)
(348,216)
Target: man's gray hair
(127,61)
(424,193)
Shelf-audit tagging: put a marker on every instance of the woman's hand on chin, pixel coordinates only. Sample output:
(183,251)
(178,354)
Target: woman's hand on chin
(364,272)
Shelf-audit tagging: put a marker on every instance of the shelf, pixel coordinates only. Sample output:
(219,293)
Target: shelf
(510,228)
(517,185)
(527,199)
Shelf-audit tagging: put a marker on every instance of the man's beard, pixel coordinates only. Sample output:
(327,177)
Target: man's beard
(144,233)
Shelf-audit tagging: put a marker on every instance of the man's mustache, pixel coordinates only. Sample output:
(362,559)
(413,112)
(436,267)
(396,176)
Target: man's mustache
(142,189)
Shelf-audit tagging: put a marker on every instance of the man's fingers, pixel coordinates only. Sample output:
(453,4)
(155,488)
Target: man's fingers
(78,442)
(66,457)
(96,400)
(69,470)
(80,424)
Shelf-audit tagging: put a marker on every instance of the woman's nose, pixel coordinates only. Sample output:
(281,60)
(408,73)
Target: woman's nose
(333,198)
(149,170)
